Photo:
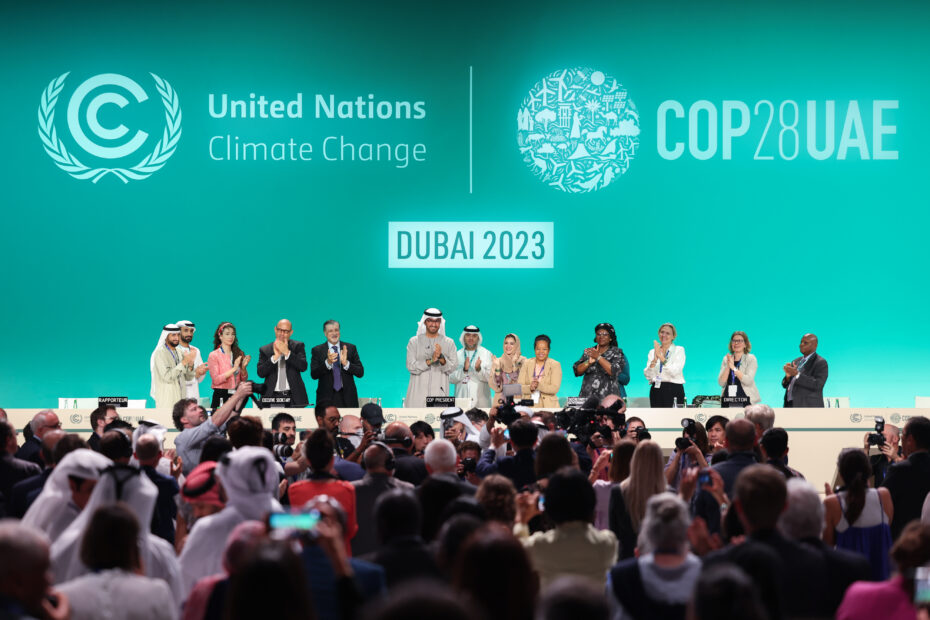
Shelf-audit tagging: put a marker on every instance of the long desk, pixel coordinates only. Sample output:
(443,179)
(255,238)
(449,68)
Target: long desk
(815,436)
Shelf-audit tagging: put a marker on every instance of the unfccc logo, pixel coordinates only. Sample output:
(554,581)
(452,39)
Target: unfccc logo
(105,88)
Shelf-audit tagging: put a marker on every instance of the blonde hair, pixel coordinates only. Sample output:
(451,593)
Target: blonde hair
(745,339)
(647,478)
(671,327)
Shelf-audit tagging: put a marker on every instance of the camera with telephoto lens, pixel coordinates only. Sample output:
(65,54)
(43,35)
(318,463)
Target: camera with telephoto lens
(683,443)
(280,448)
(507,413)
(877,438)
(469,465)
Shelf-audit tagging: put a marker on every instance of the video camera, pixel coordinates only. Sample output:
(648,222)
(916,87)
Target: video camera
(683,443)
(280,448)
(585,422)
(877,438)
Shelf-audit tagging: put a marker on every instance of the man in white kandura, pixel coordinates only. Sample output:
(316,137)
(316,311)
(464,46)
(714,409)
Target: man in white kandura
(473,370)
(191,387)
(170,369)
(430,359)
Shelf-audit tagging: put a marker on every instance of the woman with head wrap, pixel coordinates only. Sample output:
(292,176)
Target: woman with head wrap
(250,480)
(119,483)
(66,492)
(473,369)
(506,368)
(602,365)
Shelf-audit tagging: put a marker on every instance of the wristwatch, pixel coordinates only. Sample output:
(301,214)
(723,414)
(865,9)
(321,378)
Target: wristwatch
(723,507)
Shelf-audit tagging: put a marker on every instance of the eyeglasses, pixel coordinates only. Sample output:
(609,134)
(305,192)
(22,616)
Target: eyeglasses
(604,334)
(737,340)
(283,331)
(53,425)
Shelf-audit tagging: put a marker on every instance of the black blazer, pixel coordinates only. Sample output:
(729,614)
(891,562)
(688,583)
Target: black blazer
(808,389)
(347,396)
(908,482)
(295,364)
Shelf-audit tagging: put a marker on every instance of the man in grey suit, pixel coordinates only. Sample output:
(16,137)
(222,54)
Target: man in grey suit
(805,376)
(378,461)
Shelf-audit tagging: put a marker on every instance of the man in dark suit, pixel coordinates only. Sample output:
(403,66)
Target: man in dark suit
(42,423)
(397,435)
(521,467)
(909,481)
(148,452)
(12,469)
(379,479)
(403,554)
(280,364)
(792,578)
(335,365)
(805,376)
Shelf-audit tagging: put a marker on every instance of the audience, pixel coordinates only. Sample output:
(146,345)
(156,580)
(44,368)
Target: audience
(619,470)
(25,580)
(647,478)
(402,552)
(378,461)
(725,592)
(520,467)
(909,481)
(774,448)
(497,495)
(42,423)
(12,469)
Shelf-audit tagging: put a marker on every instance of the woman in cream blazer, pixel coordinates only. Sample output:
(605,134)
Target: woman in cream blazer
(738,368)
(541,377)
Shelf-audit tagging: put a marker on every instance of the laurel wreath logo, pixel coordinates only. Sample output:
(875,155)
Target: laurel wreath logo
(69,163)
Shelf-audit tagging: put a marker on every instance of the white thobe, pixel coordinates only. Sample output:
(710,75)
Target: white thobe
(473,384)
(168,374)
(191,387)
(428,379)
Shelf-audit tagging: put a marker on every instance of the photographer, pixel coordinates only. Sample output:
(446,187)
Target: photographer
(690,449)
(467,467)
(887,439)
(520,467)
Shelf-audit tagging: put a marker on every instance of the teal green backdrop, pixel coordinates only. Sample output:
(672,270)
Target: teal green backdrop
(776,247)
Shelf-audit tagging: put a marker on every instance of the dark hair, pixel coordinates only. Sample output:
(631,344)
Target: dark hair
(570,497)
(700,437)
(469,445)
(714,420)
(217,342)
(573,597)
(523,433)
(319,449)
(245,430)
(775,443)
(111,539)
(282,417)
(553,453)
(100,413)
(741,434)
(435,494)
(116,445)
(912,549)
(420,426)
(542,338)
(918,427)
(724,592)
(397,513)
(498,496)
(451,537)
(476,415)
(855,470)
(68,443)
(177,413)
(214,448)
(6,431)
(330,322)
(762,493)
(270,567)
(319,410)
(419,599)
(610,332)
(494,568)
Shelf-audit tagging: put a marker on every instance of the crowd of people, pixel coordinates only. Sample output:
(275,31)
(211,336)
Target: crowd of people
(511,512)
(438,368)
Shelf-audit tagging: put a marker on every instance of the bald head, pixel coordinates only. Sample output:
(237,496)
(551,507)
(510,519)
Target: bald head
(148,450)
(740,435)
(49,442)
(43,422)
(396,432)
(375,459)
(808,344)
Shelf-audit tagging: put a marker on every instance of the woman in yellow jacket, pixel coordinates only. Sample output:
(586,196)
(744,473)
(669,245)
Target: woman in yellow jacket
(541,377)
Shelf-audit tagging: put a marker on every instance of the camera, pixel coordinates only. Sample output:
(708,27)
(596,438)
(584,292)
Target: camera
(469,465)
(683,443)
(877,438)
(258,390)
(507,413)
(280,448)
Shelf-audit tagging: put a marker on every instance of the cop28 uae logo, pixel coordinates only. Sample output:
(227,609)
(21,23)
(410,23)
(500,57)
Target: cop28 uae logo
(578,130)
(105,88)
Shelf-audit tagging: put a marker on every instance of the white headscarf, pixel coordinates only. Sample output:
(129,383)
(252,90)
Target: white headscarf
(471,329)
(52,511)
(170,328)
(119,483)
(432,313)
(186,324)
(148,427)
(470,429)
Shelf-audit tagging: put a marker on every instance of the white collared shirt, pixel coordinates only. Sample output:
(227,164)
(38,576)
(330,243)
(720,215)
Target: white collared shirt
(672,369)
(338,346)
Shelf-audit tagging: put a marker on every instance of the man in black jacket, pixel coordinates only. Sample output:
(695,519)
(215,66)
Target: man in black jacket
(909,481)
(805,376)
(12,469)
(280,364)
(521,467)
(335,364)
(792,578)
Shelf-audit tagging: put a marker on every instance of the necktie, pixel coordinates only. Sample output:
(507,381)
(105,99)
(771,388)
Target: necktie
(282,376)
(337,371)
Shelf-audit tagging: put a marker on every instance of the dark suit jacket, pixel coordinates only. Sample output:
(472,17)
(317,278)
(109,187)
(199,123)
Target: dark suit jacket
(166,508)
(908,482)
(347,396)
(808,389)
(25,492)
(409,468)
(295,364)
(30,451)
(405,558)
(367,492)
(13,470)
(791,577)
(520,468)
(843,568)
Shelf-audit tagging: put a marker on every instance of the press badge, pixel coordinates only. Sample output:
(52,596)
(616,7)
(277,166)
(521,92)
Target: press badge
(731,391)
(536,396)
(657,382)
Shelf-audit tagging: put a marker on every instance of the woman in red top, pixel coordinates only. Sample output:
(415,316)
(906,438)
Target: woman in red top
(227,364)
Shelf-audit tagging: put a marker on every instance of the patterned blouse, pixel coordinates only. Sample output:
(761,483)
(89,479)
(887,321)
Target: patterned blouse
(596,380)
